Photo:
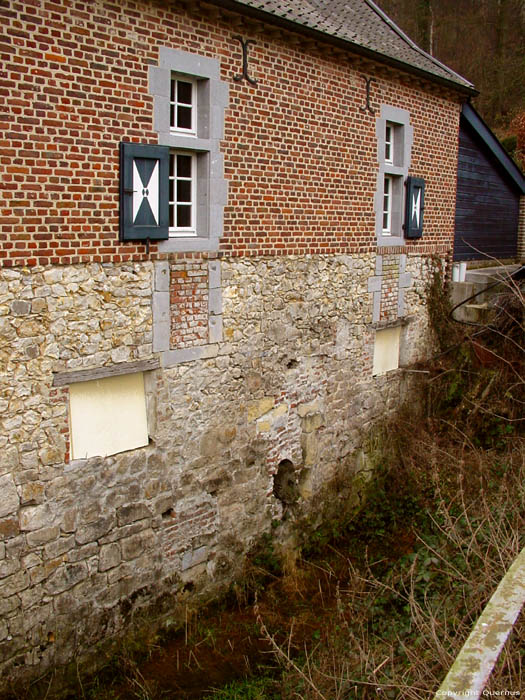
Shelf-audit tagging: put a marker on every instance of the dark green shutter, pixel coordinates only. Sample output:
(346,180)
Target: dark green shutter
(144,192)
(415,204)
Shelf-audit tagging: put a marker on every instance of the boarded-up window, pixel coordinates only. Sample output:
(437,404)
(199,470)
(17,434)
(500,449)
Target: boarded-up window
(386,350)
(107,415)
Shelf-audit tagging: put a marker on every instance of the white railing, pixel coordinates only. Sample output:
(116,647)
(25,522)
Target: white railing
(471,669)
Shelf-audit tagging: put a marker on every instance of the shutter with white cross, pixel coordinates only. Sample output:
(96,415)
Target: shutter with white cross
(415,204)
(144,192)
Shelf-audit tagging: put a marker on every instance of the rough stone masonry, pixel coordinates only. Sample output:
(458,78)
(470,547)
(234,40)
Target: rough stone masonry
(219,360)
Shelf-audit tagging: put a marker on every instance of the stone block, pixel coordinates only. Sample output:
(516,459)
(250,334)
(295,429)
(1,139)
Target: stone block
(42,536)
(60,546)
(83,553)
(43,571)
(132,512)
(66,577)
(162,276)
(256,409)
(309,447)
(305,409)
(20,308)
(9,500)
(193,558)
(133,546)
(69,520)
(312,422)
(8,567)
(374,284)
(109,556)
(215,301)
(35,517)
(10,460)
(32,493)
(95,530)
(215,329)
(51,454)
(14,584)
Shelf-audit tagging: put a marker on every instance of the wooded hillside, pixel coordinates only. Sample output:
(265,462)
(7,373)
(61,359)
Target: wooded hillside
(482,40)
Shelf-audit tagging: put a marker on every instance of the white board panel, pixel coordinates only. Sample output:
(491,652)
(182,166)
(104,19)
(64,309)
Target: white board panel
(386,350)
(107,416)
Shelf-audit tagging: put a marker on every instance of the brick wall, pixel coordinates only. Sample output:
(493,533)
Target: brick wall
(189,301)
(300,155)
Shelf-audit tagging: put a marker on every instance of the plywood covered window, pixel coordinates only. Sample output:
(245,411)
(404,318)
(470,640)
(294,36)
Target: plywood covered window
(107,416)
(386,350)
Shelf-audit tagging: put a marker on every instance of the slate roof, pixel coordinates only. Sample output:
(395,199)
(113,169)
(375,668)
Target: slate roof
(360,24)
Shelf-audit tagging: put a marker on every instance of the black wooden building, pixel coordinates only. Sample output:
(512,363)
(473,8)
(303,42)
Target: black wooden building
(489,188)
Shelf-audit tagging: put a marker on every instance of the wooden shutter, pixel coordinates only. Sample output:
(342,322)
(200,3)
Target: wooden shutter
(144,192)
(415,204)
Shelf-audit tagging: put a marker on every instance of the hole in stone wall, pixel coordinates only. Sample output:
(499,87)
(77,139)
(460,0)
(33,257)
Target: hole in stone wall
(168,514)
(285,483)
(291,364)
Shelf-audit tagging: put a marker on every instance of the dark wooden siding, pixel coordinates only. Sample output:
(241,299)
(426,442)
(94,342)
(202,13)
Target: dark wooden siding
(487,205)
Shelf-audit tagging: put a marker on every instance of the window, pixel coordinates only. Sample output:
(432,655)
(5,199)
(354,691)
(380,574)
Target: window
(183,106)
(189,104)
(394,145)
(183,187)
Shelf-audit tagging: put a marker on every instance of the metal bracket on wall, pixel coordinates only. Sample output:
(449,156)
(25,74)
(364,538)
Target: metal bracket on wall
(244,74)
(368,106)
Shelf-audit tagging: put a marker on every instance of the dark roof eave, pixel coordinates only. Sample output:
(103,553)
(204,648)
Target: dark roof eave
(494,146)
(269,18)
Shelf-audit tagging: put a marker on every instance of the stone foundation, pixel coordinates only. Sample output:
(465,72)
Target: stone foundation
(87,542)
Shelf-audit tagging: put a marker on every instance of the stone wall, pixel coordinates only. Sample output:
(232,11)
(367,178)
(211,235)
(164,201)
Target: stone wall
(86,542)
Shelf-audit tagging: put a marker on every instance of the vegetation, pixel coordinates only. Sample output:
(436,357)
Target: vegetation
(462,34)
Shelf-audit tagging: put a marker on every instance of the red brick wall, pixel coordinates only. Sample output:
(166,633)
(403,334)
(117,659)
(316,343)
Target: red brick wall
(389,288)
(189,301)
(300,155)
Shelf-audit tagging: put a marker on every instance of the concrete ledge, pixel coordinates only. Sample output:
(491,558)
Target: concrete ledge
(177,357)
(86,375)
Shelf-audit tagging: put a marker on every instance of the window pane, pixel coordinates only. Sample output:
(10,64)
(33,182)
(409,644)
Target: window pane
(172,216)
(184,91)
(183,166)
(386,225)
(183,191)
(172,115)
(184,117)
(183,216)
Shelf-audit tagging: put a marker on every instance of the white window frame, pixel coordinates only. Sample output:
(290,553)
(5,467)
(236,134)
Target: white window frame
(183,231)
(390,130)
(387,204)
(210,97)
(174,104)
(394,147)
